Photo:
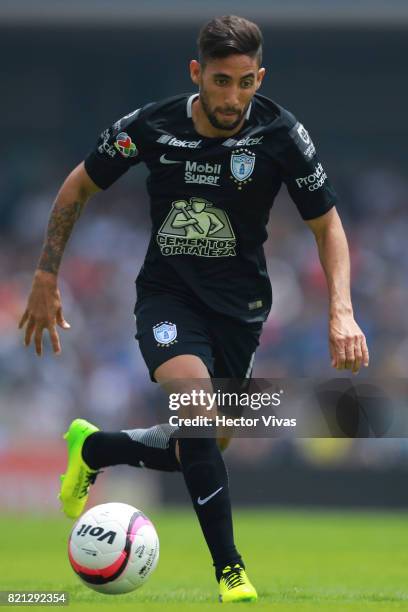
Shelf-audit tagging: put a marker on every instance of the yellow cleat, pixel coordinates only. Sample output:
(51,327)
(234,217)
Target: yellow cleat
(235,586)
(79,476)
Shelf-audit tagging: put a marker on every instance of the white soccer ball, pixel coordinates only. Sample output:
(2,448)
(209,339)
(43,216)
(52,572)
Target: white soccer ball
(113,548)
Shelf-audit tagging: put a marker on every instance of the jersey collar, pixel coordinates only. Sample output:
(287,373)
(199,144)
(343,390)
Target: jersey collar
(190,104)
(195,95)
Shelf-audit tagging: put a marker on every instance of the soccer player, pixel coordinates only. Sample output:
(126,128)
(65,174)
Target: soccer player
(217,159)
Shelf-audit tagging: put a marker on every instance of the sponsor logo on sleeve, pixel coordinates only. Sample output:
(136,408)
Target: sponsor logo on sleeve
(301,136)
(125,146)
(313,181)
(105,146)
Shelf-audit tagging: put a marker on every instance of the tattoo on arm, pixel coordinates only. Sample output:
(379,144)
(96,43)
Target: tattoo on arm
(61,222)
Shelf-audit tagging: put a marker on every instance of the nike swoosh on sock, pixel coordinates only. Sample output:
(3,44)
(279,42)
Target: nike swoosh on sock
(201,502)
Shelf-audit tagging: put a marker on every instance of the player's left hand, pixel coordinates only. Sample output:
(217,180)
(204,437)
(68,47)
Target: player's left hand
(348,346)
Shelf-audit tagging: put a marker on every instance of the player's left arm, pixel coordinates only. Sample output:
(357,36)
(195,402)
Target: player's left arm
(315,198)
(348,346)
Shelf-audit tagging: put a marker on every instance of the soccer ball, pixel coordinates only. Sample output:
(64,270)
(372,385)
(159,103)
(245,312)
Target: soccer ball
(113,548)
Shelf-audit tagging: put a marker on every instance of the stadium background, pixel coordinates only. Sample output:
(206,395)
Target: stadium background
(70,71)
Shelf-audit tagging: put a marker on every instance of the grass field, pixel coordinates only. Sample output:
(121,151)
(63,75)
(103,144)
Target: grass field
(298,562)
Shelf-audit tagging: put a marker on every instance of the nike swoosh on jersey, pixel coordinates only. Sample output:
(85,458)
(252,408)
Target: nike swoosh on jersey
(201,502)
(169,161)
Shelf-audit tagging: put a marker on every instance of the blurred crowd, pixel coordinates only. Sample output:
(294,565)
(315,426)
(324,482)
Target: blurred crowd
(100,373)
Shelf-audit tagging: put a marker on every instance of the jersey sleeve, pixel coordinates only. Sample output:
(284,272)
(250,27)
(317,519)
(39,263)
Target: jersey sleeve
(118,148)
(305,176)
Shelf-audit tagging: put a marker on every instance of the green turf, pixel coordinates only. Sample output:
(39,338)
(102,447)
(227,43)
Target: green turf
(298,562)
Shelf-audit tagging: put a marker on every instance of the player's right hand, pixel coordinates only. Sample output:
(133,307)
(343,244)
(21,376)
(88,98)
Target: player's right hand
(44,311)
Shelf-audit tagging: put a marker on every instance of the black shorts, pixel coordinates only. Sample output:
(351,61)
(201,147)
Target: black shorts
(168,325)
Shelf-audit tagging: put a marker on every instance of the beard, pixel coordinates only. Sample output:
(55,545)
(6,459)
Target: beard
(212,116)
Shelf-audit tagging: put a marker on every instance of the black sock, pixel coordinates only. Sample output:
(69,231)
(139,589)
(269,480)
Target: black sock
(153,448)
(206,479)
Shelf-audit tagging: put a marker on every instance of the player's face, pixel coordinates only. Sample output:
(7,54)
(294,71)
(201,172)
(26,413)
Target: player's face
(227,86)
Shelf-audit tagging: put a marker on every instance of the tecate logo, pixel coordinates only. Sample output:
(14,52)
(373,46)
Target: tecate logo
(313,181)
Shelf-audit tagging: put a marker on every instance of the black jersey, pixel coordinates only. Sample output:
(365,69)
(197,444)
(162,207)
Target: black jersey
(211,197)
